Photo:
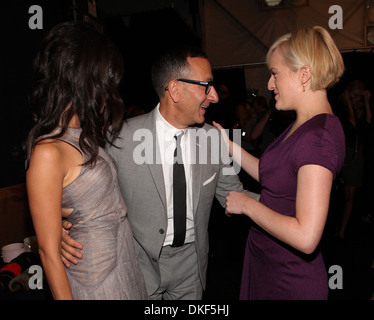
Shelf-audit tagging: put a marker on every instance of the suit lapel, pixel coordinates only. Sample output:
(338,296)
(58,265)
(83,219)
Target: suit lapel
(156,167)
(196,168)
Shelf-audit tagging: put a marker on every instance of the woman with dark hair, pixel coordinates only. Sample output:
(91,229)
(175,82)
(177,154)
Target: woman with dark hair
(76,106)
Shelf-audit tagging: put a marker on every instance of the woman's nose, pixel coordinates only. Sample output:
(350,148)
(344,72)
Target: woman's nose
(271,84)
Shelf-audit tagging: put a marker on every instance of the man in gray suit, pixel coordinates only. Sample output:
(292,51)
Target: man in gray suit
(144,155)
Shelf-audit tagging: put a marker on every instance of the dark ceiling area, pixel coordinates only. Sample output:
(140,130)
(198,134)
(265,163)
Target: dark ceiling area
(142,38)
(126,8)
(140,29)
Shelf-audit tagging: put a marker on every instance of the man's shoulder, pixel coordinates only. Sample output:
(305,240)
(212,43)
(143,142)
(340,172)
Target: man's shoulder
(204,126)
(205,130)
(207,126)
(138,119)
(133,124)
(129,128)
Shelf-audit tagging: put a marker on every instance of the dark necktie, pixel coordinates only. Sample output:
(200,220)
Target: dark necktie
(179,195)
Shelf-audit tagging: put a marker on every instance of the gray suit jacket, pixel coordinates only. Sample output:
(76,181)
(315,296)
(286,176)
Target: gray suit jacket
(142,186)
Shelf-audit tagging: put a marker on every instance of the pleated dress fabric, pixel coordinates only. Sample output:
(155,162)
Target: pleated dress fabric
(109,269)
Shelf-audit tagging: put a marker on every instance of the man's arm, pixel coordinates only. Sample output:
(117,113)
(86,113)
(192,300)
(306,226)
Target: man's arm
(227,183)
(69,246)
(228,180)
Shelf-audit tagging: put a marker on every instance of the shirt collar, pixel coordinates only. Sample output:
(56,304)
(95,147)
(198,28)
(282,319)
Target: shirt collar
(169,130)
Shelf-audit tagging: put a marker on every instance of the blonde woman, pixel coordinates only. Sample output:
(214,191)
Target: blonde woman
(282,260)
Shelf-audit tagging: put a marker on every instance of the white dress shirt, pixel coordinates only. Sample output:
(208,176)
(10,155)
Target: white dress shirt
(167,142)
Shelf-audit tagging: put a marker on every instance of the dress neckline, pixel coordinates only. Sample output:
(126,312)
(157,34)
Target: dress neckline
(71,131)
(283,137)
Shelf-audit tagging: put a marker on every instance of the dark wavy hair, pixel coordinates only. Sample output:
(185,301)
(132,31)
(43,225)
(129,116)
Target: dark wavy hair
(77,72)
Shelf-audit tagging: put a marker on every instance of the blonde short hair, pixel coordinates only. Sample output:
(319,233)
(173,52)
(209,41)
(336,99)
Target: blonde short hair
(315,48)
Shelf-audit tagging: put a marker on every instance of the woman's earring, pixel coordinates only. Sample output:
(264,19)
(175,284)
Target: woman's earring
(303,87)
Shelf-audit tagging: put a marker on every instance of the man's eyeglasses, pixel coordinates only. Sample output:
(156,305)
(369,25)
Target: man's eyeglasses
(207,84)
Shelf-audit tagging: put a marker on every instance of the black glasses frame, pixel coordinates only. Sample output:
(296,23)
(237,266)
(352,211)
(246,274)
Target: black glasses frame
(207,84)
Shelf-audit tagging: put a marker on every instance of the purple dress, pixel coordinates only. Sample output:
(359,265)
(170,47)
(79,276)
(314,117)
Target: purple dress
(272,269)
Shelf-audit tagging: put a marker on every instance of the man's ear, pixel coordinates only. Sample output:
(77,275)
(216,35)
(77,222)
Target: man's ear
(173,91)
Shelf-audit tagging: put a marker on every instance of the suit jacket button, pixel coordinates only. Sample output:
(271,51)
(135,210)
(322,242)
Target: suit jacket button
(154,259)
(162,231)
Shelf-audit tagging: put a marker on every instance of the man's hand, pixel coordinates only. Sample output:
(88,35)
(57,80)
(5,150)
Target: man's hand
(69,247)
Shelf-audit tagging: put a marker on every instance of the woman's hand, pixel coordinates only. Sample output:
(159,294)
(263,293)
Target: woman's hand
(238,202)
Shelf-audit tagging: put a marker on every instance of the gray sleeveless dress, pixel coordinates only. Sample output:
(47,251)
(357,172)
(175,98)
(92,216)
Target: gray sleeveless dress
(109,268)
